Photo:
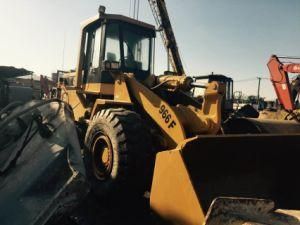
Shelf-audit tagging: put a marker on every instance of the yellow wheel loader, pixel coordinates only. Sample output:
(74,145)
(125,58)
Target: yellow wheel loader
(133,116)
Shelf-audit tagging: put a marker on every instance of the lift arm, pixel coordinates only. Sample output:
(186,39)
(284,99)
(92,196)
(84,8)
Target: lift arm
(162,19)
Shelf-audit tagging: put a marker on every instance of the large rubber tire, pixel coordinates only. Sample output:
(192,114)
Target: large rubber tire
(118,153)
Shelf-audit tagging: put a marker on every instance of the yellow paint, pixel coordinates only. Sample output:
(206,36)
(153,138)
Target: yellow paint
(172,195)
(206,120)
(72,97)
(99,88)
(153,104)
(120,89)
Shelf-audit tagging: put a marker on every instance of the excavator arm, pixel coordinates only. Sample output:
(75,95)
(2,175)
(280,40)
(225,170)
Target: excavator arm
(291,68)
(279,77)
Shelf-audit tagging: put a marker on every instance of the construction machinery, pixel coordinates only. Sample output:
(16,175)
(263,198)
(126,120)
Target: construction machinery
(227,101)
(132,117)
(286,91)
(114,86)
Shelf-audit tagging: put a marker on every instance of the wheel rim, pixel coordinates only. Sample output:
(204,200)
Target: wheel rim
(102,155)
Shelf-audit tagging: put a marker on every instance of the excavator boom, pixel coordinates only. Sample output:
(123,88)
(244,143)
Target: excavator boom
(279,77)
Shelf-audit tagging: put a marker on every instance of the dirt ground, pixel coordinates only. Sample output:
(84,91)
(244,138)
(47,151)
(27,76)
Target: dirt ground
(93,211)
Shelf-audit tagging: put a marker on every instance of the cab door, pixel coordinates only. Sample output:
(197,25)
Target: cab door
(92,54)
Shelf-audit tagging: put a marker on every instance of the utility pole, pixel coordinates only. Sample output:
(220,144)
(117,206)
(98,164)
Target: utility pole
(63,52)
(258,90)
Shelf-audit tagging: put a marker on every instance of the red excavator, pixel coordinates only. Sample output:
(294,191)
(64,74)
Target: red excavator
(286,92)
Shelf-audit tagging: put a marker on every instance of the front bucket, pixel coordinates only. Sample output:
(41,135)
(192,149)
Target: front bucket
(187,179)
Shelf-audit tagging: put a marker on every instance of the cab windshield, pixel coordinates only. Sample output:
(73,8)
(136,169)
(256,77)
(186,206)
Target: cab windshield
(116,45)
(129,46)
(136,50)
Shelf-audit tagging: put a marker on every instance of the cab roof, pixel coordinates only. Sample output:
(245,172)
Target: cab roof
(117,17)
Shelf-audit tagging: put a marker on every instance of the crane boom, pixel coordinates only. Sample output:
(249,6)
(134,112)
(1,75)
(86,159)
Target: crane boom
(160,13)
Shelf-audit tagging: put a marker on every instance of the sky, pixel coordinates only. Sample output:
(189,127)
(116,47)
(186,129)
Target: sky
(230,37)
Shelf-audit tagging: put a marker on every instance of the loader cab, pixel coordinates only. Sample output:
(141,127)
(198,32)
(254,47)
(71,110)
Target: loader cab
(227,102)
(115,43)
(228,97)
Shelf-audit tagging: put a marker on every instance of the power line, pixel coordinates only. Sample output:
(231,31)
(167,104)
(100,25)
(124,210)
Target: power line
(129,8)
(245,80)
(63,52)
(251,79)
(134,8)
(138,9)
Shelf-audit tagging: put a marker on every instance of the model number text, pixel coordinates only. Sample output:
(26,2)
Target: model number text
(167,116)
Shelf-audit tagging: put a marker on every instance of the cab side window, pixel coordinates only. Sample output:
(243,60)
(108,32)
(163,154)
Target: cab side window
(92,56)
(112,49)
(136,50)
